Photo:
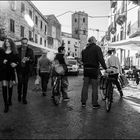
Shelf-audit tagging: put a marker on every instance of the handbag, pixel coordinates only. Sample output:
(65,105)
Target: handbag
(59,69)
(37,80)
(37,87)
(123,80)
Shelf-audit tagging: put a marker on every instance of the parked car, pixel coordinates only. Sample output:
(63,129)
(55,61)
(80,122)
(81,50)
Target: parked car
(73,66)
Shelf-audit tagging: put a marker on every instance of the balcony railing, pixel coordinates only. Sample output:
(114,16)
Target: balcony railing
(113,3)
(135,30)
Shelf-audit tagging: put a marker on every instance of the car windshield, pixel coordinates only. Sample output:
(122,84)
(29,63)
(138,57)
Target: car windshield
(70,62)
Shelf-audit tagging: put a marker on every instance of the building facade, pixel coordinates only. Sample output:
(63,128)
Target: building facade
(80,28)
(54,32)
(15,25)
(72,45)
(124,24)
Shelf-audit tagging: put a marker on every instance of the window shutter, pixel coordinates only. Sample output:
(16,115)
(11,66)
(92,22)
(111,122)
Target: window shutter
(138,18)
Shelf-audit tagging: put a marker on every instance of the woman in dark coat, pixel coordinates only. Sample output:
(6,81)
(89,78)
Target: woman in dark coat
(61,58)
(8,62)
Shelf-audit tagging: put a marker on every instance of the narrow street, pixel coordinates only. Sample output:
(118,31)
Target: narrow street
(41,119)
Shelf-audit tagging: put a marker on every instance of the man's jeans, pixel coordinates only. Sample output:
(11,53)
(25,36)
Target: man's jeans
(84,94)
(23,84)
(116,82)
(44,80)
(64,86)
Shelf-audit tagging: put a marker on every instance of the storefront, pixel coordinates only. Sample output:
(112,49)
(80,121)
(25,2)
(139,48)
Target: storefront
(128,51)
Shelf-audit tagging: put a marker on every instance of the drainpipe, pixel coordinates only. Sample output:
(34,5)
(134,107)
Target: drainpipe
(125,29)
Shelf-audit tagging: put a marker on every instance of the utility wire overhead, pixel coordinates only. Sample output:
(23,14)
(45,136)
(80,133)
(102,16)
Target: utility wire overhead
(97,16)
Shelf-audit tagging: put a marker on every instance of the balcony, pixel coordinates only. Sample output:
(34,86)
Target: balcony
(135,30)
(120,19)
(113,3)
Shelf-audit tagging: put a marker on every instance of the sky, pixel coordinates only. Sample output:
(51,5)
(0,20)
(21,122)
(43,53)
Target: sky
(92,8)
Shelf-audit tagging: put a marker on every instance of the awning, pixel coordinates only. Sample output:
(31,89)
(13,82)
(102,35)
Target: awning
(129,44)
(34,45)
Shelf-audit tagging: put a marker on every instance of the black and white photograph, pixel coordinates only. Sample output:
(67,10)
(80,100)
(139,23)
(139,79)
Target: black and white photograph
(70,69)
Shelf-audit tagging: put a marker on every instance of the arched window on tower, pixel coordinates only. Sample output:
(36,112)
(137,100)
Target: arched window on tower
(84,20)
(75,20)
(84,32)
(76,31)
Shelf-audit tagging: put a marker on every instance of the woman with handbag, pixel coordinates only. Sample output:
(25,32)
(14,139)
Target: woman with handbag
(9,61)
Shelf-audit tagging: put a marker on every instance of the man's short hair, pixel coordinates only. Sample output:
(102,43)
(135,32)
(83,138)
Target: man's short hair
(24,38)
(113,50)
(92,39)
(109,52)
(60,49)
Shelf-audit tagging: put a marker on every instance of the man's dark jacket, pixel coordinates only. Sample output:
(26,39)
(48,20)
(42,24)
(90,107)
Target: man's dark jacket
(29,53)
(92,56)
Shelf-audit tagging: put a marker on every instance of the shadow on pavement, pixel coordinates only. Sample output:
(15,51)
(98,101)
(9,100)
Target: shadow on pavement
(134,99)
(134,87)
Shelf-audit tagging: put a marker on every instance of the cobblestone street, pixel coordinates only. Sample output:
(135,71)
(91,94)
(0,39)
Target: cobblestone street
(41,119)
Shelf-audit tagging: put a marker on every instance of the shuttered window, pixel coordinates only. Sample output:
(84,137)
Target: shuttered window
(22,7)
(139,18)
(21,31)
(12,25)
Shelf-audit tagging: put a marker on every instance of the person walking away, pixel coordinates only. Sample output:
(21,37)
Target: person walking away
(61,58)
(92,56)
(136,74)
(114,64)
(26,56)
(43,70)
(8,62)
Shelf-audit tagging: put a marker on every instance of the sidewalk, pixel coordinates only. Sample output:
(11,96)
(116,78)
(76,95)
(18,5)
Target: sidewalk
(132,89)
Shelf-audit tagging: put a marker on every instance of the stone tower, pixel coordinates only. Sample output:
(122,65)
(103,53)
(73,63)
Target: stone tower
(80,27)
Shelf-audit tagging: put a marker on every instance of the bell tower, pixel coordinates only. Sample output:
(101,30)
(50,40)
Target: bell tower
(80,28)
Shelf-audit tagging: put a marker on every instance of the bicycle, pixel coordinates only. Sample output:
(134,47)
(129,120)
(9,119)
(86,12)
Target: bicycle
(58,72)
(109,87)
(56,90)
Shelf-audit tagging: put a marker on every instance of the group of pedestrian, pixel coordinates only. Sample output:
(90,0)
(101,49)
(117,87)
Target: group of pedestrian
(92,58)
(45,69)
(17,62)
(15,66)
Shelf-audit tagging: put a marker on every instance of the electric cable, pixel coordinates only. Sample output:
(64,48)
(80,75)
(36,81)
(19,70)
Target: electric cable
(96,16)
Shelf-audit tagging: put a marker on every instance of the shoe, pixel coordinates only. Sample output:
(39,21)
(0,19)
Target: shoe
(121,94)
(9,102)
(96,106)
(66,99)
(52,97)
(24,101)
(44,94)
(83,104)
(19,98)
(6,109)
